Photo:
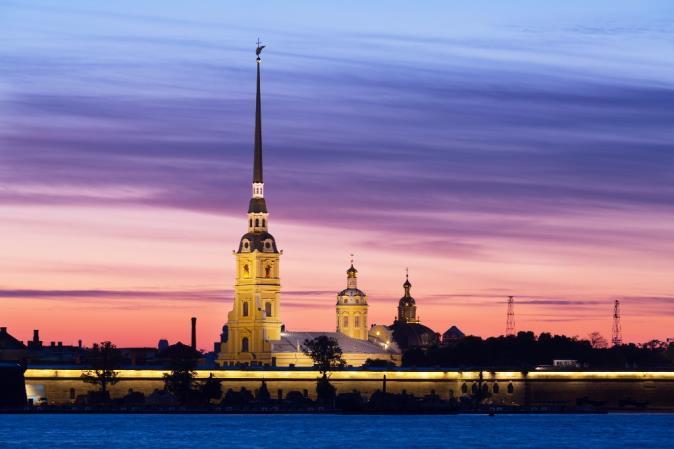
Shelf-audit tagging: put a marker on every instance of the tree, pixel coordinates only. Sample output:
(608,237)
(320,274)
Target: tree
(262,394)
(182,361)
(210,388)
(325,352)
(597,341)
(378,363)
(104,359)
(327,356)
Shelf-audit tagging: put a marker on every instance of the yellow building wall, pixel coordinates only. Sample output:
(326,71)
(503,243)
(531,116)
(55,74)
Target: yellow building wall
(256,313)
(535,388)
(352,320)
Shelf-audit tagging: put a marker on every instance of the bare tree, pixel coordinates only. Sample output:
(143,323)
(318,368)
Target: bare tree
(104,359)
(597,340)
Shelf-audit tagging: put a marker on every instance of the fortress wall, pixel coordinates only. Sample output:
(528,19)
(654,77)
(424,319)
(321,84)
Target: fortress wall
(656,389)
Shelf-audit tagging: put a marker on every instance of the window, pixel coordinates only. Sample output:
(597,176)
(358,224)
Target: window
(495,388)
(250,222)
(464,388)
(245,308)
(246,271)
(257,222)
(356,322)
(244,344)
(267,309)
(279,394)
(510,388)
(345,321)
(72,393)
(474,389)
(267,270)
(264,222)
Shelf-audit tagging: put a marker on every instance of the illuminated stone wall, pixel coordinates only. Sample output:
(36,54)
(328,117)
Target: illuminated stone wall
(534,388)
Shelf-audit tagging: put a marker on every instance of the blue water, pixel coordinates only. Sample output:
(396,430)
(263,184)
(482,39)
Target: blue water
(613,431)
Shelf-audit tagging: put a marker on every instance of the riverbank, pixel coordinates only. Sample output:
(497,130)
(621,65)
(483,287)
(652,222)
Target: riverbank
(316,409)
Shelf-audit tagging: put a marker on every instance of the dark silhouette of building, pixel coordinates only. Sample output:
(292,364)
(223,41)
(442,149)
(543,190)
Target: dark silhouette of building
(406,332)
(452,334)
(12,384)
(11,349)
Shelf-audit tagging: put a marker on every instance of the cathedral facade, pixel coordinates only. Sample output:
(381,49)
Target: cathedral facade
(254,334)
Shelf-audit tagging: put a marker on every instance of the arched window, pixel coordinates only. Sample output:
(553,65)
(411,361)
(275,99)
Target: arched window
(464,388)
(250,222)
(356,321)
(245,308)
(257,222)
(495,388)
(72,393)
(264,222)
(244,344)
(345,321)
(510,388)
(474,389)
(267,271)
(267,309)
(485,388)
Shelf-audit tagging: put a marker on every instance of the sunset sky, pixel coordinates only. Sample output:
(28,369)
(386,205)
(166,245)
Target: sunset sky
(494,148)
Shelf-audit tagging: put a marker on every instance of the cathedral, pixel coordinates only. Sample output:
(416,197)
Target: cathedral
(254,334)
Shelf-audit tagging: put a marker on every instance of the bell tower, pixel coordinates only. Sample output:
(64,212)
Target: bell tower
(352,308)
(255,320)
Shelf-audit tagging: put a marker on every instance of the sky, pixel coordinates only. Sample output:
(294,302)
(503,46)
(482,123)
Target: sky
(495,149)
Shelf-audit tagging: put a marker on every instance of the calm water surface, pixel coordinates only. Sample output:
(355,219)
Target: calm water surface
(332,431)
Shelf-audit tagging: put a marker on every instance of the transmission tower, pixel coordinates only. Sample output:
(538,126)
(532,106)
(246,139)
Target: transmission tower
(510,321)
(617,337)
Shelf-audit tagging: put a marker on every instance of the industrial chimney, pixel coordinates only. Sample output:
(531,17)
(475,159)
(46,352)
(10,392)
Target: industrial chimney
(194,333)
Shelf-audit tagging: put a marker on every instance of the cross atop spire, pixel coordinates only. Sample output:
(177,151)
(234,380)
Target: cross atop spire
(258,50)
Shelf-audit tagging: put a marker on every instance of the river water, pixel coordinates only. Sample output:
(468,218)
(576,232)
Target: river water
(633,431)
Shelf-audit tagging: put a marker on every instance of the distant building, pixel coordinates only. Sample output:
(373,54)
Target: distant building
(451,335)
(11,349)
(406,332)
(565,363)
(352,308)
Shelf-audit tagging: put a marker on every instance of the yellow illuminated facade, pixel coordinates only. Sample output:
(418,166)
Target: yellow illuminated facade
(655,388)
(253,335)
(352,308)
(255,319)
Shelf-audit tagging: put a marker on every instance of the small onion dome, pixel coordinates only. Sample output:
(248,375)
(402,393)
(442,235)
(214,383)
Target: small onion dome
(407,300)
(351,272)
(351,292)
